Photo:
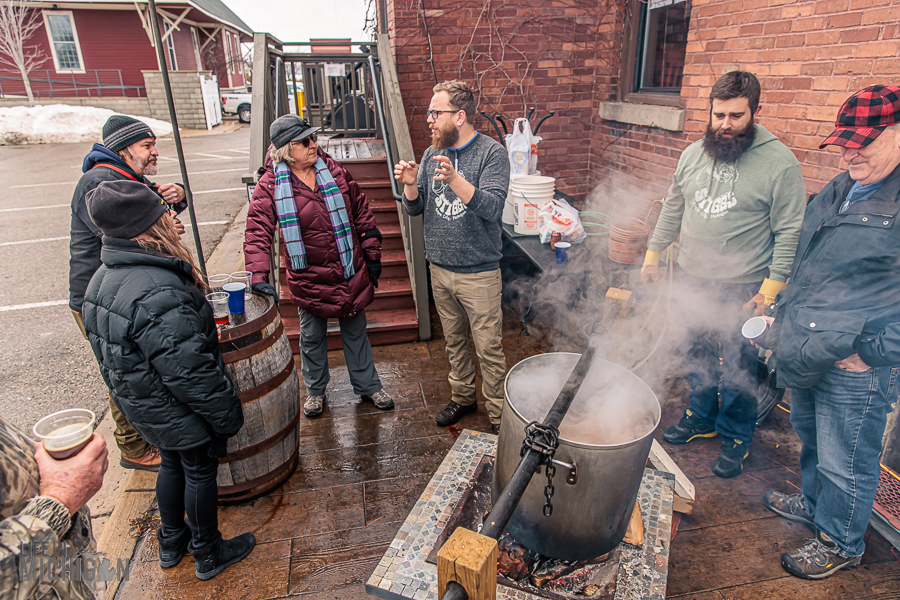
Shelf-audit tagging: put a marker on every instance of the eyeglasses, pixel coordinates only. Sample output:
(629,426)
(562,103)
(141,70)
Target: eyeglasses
(433,114)
(305,141)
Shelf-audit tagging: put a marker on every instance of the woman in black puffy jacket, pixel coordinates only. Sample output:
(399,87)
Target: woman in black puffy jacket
(154,336)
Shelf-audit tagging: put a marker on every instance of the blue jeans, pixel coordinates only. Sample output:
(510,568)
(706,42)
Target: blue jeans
(714,316)
(841,421)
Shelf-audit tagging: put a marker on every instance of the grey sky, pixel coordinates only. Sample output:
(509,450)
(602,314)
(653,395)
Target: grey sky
(300,20)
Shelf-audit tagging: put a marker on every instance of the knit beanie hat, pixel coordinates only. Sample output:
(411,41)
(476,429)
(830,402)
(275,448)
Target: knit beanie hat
(124,208)
(120,131)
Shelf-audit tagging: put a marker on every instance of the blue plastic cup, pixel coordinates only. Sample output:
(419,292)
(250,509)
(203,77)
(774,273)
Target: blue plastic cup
(235,297)
(562,248)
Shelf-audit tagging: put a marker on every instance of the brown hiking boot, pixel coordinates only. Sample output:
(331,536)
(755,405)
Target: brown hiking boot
(147,462)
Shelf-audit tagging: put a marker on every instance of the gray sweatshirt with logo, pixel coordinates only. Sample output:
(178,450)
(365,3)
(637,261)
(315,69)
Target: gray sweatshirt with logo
(463,238)
(739,222)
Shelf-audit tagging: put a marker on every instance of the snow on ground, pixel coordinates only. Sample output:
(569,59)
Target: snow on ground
(61,124)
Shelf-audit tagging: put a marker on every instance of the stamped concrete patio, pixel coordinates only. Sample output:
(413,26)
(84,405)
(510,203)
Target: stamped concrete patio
(361,470)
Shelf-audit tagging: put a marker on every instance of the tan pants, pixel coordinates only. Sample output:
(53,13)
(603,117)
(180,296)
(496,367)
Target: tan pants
(465,300)
(129,441)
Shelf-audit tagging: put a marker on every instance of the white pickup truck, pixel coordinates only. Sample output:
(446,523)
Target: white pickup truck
(237,103)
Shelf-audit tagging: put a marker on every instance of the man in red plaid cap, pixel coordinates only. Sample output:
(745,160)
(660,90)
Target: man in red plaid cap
(836,334)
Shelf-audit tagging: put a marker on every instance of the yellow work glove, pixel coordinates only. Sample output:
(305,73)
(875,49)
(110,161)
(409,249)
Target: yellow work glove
(766,296)
(650,270)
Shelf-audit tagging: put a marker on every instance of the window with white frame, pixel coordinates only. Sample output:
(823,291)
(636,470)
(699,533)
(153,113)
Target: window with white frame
(170,47)
(64,45)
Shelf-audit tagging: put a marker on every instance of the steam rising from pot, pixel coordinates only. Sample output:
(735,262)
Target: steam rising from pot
(612,406)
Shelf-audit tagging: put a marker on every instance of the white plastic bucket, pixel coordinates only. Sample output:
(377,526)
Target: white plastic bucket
(509,210)
(526,215)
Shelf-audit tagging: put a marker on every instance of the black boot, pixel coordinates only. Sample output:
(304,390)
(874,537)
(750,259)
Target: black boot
(213,559)
(172,549)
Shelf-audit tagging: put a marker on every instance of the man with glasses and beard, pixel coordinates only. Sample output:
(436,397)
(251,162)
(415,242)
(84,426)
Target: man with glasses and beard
(128,152)
(737,200)
(460,190)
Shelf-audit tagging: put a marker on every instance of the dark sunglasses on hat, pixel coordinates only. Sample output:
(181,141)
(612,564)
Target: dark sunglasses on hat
(305,141)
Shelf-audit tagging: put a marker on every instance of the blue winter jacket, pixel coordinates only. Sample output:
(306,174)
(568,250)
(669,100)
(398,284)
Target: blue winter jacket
(843,295)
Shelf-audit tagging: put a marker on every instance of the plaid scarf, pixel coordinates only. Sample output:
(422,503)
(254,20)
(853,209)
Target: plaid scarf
(290,224)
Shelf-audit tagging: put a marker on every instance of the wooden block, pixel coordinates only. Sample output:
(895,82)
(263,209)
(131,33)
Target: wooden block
(469,559)
(619,295)
(684,489)
(635,533)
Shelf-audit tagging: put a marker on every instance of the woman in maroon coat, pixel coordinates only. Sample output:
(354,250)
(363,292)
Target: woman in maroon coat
(332,249)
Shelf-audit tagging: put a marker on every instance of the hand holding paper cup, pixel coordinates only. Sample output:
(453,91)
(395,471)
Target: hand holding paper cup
(755,330)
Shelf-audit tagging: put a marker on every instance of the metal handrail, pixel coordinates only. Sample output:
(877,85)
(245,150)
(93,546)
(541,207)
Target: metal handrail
(382,121)
(75,83)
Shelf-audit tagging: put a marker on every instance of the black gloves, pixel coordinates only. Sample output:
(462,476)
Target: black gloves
(218,447)
(268,289)
(374,267)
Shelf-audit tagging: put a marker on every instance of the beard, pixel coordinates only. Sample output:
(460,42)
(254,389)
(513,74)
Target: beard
(149,168)
(444,138)
(145,166)
(725,149)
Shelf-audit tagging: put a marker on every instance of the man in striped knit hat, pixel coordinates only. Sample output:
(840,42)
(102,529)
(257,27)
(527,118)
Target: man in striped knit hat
(128,152)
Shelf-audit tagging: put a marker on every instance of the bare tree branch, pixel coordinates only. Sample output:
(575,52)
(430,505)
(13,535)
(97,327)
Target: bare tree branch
(18,22)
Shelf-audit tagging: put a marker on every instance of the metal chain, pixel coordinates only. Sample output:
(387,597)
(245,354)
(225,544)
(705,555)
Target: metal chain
(549,489)
(543,439)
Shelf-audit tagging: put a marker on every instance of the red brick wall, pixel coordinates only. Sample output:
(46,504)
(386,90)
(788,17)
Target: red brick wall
(810,55)
(547,49)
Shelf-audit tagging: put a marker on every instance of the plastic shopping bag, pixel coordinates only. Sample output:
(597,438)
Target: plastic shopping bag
(558,216)
(518,144)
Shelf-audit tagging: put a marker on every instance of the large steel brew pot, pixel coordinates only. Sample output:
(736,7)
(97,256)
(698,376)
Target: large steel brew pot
(606,435)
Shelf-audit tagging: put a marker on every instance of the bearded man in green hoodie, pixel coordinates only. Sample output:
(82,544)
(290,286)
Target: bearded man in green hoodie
(737,200)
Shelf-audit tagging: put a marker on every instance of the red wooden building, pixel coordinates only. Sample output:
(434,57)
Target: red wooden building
(100,47)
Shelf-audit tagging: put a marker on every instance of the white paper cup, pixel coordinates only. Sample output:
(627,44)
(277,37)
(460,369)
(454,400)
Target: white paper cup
(755,329)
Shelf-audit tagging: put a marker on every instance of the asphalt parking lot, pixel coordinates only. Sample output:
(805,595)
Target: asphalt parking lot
(45,363)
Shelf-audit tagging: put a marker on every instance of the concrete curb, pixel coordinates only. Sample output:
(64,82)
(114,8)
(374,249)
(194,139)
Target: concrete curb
(130,495)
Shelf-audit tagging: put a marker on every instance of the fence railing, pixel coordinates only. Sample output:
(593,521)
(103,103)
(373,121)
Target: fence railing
(337,90)
(47,83)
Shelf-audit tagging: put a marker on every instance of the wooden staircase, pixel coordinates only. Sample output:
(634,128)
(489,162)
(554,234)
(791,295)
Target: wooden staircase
(392,315)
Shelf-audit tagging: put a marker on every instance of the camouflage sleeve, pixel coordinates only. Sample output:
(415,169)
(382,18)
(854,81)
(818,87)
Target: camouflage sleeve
(42,524)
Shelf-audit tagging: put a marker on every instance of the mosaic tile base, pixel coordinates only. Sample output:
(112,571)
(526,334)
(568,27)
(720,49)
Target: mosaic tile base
(403,572)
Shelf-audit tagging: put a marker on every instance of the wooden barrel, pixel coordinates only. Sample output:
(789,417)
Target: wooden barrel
(258,356)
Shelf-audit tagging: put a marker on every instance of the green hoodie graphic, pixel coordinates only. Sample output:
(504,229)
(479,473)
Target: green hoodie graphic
(739,222)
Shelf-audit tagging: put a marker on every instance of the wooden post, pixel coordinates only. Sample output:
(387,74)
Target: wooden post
(469,559)
(411,227)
